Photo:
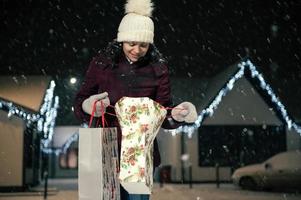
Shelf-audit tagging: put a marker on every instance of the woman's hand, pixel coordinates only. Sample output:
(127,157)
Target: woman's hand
(87,105)
(185,111)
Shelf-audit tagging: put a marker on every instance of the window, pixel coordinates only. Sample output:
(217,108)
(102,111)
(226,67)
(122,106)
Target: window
(69,160)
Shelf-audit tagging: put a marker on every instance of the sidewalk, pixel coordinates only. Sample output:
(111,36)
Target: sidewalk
(67,190)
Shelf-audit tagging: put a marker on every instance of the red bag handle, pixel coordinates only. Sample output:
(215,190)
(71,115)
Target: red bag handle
(93,112)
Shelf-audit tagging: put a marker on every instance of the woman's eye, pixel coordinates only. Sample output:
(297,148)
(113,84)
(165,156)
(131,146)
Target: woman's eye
(143,45)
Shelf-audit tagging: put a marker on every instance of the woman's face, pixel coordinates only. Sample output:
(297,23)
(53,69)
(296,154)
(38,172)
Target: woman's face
(135,50)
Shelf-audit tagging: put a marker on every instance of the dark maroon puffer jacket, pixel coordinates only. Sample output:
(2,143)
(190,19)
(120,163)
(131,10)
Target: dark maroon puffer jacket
(125,79)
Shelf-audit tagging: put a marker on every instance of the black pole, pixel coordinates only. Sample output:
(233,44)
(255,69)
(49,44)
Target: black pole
(161,178)
(182,161)
(46,184)
(45,175)
(217,174)
(190,176)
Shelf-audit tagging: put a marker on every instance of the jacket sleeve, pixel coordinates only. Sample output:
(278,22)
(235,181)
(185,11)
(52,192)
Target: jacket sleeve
(89,87)
(163,96)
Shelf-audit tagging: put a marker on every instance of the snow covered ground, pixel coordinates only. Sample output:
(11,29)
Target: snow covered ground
(210,192)
(67,190)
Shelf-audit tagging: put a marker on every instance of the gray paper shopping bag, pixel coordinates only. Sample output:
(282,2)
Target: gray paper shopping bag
(98,164)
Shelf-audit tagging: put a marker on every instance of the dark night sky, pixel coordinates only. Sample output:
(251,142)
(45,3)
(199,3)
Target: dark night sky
(199,38)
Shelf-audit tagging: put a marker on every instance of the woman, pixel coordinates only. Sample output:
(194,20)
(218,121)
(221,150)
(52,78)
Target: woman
(130,66)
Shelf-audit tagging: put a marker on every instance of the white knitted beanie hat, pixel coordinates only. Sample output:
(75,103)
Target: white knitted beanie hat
(136,25)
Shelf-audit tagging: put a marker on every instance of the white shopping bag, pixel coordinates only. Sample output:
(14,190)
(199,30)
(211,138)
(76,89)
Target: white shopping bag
(98,164)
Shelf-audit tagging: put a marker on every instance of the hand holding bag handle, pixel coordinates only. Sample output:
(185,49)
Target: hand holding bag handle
(93,113)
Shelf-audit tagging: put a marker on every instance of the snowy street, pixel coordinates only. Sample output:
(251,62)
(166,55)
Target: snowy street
(68,191)
(210,192)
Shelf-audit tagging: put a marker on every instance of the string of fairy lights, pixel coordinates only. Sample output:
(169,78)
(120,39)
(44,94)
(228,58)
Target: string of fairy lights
(190,129)
(45,119)
(49,110)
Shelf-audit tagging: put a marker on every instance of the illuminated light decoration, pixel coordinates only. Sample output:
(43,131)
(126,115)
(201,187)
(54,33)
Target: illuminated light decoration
(70,140)
(21,113)
(67,144)
(49,111)
(50,123)
(73,80)
(64,148)
(44,121)
(190,129)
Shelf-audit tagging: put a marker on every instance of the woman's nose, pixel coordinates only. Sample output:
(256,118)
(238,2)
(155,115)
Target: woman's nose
(136,50)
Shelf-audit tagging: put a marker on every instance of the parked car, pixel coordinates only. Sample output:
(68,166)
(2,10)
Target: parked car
(283,171)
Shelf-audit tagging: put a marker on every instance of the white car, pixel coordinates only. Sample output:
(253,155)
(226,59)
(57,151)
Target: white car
(283,170)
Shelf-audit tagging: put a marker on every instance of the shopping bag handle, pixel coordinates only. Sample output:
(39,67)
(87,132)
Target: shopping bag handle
(93,113)
(103,120)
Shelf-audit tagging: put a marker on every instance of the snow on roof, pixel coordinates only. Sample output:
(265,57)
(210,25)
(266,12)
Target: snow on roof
(27,92)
